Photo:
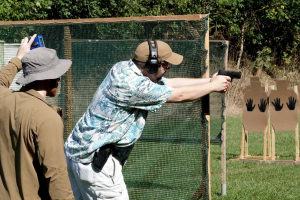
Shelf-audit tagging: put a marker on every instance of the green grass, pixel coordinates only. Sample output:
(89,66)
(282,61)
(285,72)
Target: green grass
(246,180)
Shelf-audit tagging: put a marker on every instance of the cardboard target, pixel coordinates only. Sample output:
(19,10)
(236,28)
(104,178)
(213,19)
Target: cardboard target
(284,107)
(256,107)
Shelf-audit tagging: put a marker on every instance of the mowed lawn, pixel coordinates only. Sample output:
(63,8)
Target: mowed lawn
(248,180)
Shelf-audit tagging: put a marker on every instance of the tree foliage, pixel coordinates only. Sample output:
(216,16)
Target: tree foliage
(15,10)
(269,26)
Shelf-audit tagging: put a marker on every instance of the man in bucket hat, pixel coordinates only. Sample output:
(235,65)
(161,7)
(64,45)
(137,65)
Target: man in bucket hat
(102,139)
(32,160)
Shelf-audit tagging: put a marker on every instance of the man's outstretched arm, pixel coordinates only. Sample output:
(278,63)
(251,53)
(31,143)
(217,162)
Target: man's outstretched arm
(193,92)
(180,82)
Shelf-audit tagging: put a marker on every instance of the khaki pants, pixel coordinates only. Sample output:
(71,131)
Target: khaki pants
(88,182)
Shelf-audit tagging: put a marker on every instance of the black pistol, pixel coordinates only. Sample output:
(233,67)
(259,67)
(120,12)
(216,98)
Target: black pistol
(231,74)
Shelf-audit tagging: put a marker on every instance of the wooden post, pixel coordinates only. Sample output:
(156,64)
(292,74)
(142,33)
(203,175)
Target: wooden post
(207,75)
(242,143)
(297,142)
(297,131)
(273,144)
(246,143)
(273,132)
(68,81)
(269,137)
(111,19)
(269,122)
(265,143)
(205,110)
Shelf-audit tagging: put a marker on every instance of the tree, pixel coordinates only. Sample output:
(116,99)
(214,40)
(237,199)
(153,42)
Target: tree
(14,10)
(255,28)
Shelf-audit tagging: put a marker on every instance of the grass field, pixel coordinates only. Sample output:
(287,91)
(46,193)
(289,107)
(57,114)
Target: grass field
(247,180)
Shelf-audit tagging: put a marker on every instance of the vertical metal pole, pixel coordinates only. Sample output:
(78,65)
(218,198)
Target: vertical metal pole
(223,159)
(223,146)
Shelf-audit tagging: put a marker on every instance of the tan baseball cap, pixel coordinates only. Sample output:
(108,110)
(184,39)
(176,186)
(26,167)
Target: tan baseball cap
(164,51)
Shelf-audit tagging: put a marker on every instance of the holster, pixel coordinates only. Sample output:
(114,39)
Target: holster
(101,156)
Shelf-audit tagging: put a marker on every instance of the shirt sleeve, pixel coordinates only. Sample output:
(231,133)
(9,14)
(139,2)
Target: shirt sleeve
(142,93)
(49,138)
(8,73)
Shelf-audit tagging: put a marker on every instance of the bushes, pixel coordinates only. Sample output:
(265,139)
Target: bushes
(272,24)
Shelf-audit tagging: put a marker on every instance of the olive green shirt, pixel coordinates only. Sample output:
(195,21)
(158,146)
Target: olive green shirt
(32,161)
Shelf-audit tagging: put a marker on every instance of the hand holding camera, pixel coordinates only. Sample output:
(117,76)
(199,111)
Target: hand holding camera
(29,43)
(38,42)
(25,46)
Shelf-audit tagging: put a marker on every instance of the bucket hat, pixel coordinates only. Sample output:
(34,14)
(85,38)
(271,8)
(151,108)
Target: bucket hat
(164,51)
(42,64)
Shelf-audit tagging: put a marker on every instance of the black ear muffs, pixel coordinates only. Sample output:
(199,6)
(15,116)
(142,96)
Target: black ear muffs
(152,64)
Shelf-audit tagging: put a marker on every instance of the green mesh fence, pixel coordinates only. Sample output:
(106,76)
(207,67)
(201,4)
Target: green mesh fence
(170,159)
(217,55)
(1,54)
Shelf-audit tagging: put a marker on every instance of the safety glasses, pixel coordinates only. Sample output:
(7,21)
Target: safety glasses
(166,65)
